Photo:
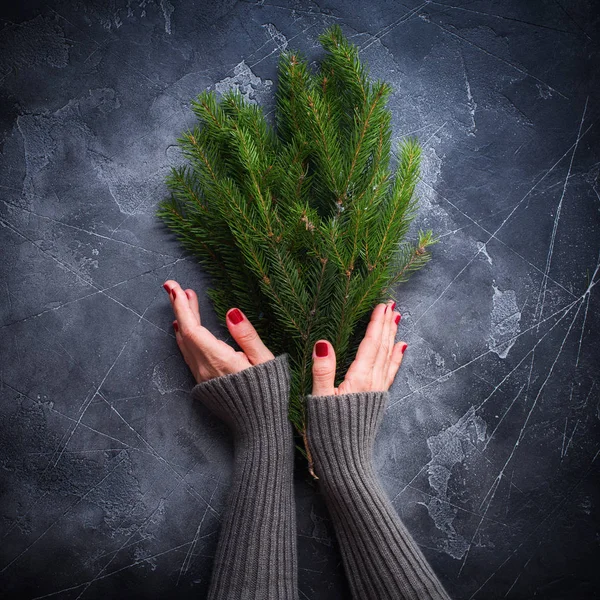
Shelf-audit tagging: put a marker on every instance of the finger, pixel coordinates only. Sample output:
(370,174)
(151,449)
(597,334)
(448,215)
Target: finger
(395,361)
(193,301)
(323,369)
(181,306)
(387,339)
(179,340)
(246,336)
(392,331)
(380,367)
(369,347)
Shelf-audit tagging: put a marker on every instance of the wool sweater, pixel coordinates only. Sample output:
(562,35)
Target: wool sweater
(256,555)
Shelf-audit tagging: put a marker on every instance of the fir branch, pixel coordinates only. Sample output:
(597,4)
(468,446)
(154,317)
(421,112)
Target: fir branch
(304,226)
(406,177)
(380,94)
(326,140)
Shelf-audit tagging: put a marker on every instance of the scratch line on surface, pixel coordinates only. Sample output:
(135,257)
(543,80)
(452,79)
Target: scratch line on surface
(550,513)
(495,16)
(519,69)
(61,516)
(389,28)
(517,205)
(544,285)
(496,483)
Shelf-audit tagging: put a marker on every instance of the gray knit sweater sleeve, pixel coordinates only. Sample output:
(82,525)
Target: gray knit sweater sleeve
(256,553)
(381,559)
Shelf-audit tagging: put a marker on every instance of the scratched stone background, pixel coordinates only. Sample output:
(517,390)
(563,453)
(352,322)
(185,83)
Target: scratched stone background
(112,482)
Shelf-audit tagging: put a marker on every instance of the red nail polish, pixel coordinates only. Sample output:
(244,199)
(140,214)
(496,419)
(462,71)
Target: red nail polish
(397,319)
(173,294)
(385,310)
(175,326)
(322,349)
(393,306)
(166,288)
(235,316)
(404,348)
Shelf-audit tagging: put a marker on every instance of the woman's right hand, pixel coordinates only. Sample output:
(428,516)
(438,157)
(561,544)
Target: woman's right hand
(377,360)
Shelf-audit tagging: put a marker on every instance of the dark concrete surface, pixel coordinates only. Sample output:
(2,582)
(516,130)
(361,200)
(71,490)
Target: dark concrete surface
(112,481)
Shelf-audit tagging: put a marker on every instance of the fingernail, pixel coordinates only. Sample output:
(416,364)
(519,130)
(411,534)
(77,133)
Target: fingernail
(404,348)
(397,319)
(385,310)
(322,349)
(393,306)
(173,293)
(235,316)
(166,288)
(175,326)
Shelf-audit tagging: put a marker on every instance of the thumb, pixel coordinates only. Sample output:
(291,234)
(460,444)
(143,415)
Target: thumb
(323,369)
(247,337)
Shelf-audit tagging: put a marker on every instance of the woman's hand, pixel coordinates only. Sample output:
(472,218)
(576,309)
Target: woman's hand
(377,359)
(205,355)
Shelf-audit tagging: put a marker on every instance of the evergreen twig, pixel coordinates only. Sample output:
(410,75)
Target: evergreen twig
(302,226)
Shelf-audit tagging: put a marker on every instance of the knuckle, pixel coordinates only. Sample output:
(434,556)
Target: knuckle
(247,335)
(372,338)
(187,332)
(321,371)
(184,331)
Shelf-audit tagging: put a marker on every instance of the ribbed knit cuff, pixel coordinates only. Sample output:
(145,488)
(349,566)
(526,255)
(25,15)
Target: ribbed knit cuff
(341,431)
(253,402)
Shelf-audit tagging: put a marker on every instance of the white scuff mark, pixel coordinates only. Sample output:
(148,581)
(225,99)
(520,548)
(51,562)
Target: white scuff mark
(167,10)
(131,191)
(483,249)
(505,322)
(253,88)
(471,104)
(431,168)
(278,38)
(50,137)
(164,379)
(449,448)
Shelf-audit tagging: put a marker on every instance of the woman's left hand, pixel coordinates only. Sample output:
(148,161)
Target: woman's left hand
(207,356)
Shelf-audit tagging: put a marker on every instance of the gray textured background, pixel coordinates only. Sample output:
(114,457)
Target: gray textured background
(112,481)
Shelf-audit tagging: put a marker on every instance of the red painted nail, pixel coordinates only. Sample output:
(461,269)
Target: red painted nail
(393,306)
(173,293)
(385,310)
(175,326)
(397,319)
(322,349)
(166,288)
(404,348)
(235,316)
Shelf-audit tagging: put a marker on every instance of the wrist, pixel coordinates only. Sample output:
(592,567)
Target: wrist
(253,402)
